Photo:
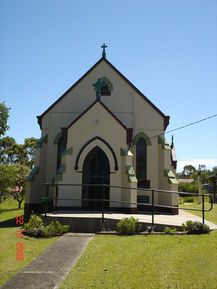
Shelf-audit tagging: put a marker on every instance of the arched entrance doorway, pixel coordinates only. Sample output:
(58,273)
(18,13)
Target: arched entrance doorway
(96,170)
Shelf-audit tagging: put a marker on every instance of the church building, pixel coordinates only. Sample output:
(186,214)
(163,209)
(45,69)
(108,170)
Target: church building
(103,130)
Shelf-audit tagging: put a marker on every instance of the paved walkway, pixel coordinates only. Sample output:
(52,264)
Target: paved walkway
(161,219)
(49,269)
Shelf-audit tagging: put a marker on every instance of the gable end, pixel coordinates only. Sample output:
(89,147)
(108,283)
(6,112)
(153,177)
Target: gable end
(166,118)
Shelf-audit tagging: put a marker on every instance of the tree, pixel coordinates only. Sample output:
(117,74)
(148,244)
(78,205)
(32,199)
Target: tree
(190,188)
(4,114)
(188,171)
(201,175)
(214,170)
(8,150)
(11,152)
(18,190)
(29,147)
(16,160)
(12,182)
(7,180)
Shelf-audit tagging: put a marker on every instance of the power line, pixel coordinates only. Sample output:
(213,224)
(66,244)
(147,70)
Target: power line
(192,123)
(186,125)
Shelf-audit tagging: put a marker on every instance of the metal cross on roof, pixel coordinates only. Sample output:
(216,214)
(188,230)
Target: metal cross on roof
(103,51)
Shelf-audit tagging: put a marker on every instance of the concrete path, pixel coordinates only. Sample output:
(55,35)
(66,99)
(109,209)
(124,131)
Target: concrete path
(49,269)
(160,219)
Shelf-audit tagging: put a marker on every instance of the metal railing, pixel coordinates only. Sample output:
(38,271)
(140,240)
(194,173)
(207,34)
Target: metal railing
(103,200)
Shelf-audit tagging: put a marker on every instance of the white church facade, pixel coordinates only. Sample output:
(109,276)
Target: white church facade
(103,130)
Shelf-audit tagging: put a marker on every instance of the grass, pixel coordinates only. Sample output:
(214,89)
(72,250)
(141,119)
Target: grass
(9,210)
(132,262)
(209,216)
(149,262)
(9,266)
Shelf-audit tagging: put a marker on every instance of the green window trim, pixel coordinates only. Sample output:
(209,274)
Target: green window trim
(62,167)
(61,148)
(164,144)
(34,171)
(57,138)
(123,152)
(161,140)
(67,152)
(42,140)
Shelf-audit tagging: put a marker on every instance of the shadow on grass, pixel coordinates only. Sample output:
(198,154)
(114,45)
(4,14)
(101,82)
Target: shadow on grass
(8,210)
(8,223)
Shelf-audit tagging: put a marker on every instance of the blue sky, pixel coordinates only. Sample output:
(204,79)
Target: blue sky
(166,48)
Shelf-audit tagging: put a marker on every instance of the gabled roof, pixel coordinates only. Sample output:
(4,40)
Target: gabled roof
(89,107)
(166,118)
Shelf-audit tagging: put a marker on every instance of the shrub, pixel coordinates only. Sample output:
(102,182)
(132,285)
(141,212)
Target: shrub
(180,200)
(190,188)
(128,226)
(188,199)
(55,228)
(38,232)
(50,230)
(196,228)
(65,229)
(36,228)
(35,222)
(184,227)
(61,229)
(170,231)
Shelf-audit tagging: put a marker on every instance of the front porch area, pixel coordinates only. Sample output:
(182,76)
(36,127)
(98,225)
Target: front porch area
(91,221)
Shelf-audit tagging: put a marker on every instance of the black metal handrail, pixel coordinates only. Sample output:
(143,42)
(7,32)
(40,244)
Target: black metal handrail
(103,200)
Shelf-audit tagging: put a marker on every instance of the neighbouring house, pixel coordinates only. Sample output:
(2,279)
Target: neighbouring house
(103,130)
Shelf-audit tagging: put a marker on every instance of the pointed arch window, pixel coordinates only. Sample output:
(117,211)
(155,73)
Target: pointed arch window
(141,159)
(61,147)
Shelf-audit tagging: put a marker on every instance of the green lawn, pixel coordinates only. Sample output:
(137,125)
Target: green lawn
(135,262)
(9,209)
(9,266)
(149,262)
(209,216)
